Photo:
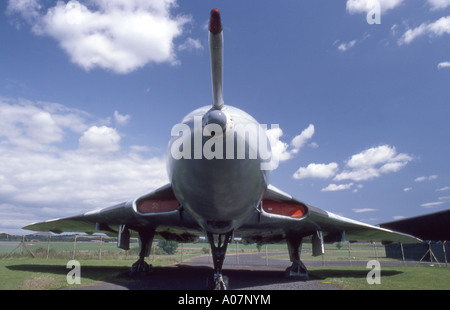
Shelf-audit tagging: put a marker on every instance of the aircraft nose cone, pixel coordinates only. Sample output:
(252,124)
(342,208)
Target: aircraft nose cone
(215,117)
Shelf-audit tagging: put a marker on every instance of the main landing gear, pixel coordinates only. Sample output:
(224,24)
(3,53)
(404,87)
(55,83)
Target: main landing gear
(298,270)
(140,267)
(219,249)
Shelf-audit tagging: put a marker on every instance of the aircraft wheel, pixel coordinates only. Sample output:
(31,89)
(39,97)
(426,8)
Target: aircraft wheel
(212,284)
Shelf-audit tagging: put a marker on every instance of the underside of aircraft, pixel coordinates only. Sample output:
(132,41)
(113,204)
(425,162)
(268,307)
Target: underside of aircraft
(218,162)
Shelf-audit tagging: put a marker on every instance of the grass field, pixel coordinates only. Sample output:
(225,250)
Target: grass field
(22,270)
(42,274)
(392,278)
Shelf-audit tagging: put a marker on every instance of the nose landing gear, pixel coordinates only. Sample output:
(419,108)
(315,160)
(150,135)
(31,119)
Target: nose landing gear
(219,248)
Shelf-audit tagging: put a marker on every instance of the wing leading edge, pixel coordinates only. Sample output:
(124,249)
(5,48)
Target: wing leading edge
(282,219)
(279,216)
(158,211)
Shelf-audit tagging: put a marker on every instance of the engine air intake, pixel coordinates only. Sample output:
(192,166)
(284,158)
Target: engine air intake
(157,205)
(283,209)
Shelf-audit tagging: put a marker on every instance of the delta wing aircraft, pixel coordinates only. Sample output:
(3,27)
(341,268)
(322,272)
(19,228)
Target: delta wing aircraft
(218,161)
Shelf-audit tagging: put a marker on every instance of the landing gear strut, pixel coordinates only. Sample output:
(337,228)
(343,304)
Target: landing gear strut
(297,270)
(218,252)
(140,267)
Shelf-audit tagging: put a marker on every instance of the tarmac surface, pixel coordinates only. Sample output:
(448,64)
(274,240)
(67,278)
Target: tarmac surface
(244,271)
(188,277)
(251,273)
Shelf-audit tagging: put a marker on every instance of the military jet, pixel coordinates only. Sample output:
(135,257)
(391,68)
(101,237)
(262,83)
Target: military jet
(218,162)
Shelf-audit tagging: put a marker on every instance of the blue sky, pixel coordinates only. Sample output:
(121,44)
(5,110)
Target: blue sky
(89,92)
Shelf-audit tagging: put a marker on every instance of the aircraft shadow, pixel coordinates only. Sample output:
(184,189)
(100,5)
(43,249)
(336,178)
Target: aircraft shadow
(194,277)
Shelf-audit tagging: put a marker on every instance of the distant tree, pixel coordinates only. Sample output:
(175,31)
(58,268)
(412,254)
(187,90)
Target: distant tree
(169,247)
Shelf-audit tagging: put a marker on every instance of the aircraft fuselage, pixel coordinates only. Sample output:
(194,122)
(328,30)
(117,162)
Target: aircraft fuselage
(218,163)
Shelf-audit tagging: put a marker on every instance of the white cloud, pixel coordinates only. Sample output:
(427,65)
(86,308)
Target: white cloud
(313,145)
(100,139)
(407,189)
(439,4)
(394,29)
(372,163)
(369,164)
(121,36)
(343,47)
(365,6)
(76,180)
(42,126)
(37,126)
(437,28)
(358,187)
(120,119)
(412,34)
(425,178)
(282,150)
(363,210)
(191,44)
(278,147)
(432,204)
(371,157)
(49,176)
(336,187)
(299,141)
(358,175)
(323,171)
(23,5)
(445,188)
(441,200)
(444,64)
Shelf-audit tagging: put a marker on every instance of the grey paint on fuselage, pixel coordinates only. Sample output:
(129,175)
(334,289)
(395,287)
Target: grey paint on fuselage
(219,193)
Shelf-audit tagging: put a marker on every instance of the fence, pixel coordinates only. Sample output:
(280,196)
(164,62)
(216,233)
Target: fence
(102,247)
(74,246)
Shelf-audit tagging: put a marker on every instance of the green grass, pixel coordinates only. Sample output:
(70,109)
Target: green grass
(23,272)
(27,273)
(392,278)
(41,274)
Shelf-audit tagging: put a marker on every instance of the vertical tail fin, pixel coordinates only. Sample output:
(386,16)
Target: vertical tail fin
(216,54)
